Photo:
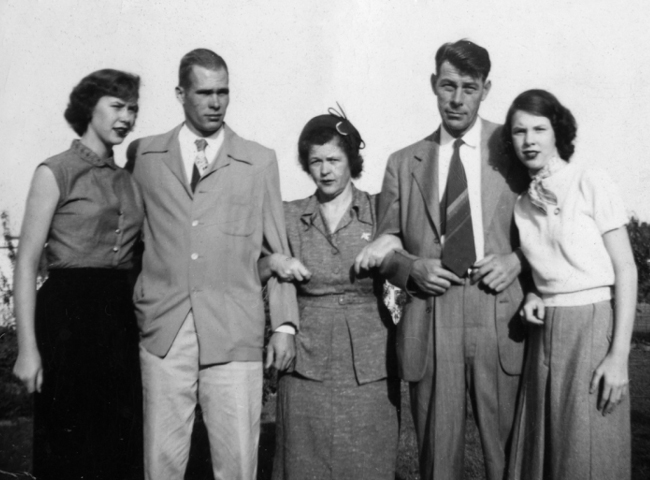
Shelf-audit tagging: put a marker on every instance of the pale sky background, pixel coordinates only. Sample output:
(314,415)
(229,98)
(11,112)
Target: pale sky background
(292,60)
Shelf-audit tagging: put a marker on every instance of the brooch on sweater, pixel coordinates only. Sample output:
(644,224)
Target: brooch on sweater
(365,236)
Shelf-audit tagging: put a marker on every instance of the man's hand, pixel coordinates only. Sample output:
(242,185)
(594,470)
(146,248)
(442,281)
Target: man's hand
(374,253)
(431,277)
(280,351)
(496,272)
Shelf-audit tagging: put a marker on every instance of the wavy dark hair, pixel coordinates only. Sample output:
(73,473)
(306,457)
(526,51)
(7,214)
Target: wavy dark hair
(102,83)
(323,135)
(544,104)
(469,58)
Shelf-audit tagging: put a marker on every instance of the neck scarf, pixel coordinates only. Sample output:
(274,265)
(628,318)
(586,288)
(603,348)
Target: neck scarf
(539,195)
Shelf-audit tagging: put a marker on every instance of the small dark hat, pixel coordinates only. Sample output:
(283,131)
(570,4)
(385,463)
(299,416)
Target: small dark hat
(335,121)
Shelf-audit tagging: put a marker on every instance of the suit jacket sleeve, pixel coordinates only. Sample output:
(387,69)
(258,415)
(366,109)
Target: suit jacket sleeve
(283,304)
(396,267)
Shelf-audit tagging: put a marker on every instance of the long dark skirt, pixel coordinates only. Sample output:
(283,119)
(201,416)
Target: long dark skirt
(88,416)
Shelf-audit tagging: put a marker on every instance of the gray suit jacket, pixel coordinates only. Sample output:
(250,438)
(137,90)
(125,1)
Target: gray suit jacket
(201,249)
(409,207)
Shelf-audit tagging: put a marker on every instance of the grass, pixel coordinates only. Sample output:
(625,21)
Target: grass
(15,436)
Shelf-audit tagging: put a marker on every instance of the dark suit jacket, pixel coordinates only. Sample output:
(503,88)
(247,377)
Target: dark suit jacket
(201,249)
(409,207)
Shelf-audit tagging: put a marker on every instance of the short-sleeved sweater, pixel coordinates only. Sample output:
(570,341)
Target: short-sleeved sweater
(565,247)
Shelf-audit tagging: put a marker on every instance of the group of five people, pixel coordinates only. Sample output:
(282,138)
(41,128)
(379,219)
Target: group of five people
(478,224)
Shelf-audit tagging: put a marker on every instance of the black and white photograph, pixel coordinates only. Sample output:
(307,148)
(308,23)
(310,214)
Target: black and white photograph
(302,240)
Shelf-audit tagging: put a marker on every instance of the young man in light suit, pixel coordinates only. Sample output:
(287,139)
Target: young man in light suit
(212,199)
(450,198)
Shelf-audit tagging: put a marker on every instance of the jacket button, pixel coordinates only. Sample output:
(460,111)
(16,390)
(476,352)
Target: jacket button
(118,231)
(194,256)
(195,223)
(115,249)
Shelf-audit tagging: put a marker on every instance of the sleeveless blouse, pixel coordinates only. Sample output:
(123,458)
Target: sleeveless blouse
(99,214)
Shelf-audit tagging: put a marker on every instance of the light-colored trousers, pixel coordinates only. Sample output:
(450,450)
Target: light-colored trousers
(560,434)
(230,396)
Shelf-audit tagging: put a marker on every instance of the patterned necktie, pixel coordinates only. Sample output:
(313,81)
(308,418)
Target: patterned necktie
(458,252)
(200,162)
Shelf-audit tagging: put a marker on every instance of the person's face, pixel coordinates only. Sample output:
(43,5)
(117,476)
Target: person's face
(206,100)
(459,98)
(329,168)
(534,140)
(112,120)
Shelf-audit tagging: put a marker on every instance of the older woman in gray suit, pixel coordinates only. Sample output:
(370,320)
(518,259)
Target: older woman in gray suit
(337,410)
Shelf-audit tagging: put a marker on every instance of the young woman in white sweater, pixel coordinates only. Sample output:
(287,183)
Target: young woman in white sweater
(573,419)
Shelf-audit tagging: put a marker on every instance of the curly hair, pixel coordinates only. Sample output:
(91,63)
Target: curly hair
(84,97)
(323,135)
(544,104)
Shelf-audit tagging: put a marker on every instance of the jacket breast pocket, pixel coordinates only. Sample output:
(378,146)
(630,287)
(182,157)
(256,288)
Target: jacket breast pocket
(237,219)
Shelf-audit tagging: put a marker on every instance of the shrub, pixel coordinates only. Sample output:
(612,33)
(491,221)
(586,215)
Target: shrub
(14,399)
(640,239)
(6,287)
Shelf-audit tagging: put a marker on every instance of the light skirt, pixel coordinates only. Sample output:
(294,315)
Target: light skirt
(559,432)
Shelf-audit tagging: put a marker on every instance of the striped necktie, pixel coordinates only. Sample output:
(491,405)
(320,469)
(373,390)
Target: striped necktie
(458,251)
(200,162)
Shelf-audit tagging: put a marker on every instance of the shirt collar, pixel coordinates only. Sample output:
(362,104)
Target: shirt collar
(187,137)
(471,138)
(91,157)
(360,206)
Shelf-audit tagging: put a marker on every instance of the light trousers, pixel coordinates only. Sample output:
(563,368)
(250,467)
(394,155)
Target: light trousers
(230,396)
(560,434)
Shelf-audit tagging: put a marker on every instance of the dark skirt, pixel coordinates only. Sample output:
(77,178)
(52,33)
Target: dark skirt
(88,416)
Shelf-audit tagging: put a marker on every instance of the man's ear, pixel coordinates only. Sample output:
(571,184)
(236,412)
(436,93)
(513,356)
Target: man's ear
(433,83)
(180,95)
(486,89)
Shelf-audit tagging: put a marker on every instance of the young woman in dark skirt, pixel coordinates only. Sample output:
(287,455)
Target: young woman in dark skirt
(78,338)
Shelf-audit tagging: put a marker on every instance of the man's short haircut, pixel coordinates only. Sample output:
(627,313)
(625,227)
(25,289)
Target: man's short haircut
(203,58)
(544,104)
(102,83)
(469,58)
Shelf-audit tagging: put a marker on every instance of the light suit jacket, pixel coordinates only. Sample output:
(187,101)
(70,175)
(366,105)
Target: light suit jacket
(409,207)
(201,249)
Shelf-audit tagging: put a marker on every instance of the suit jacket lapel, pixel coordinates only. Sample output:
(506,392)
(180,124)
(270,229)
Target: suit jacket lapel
(170,151)
(224,154)
(491,178)
(425,174)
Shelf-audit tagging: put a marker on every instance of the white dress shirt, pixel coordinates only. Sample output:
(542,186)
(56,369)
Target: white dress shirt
(187,139)
(470,157)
